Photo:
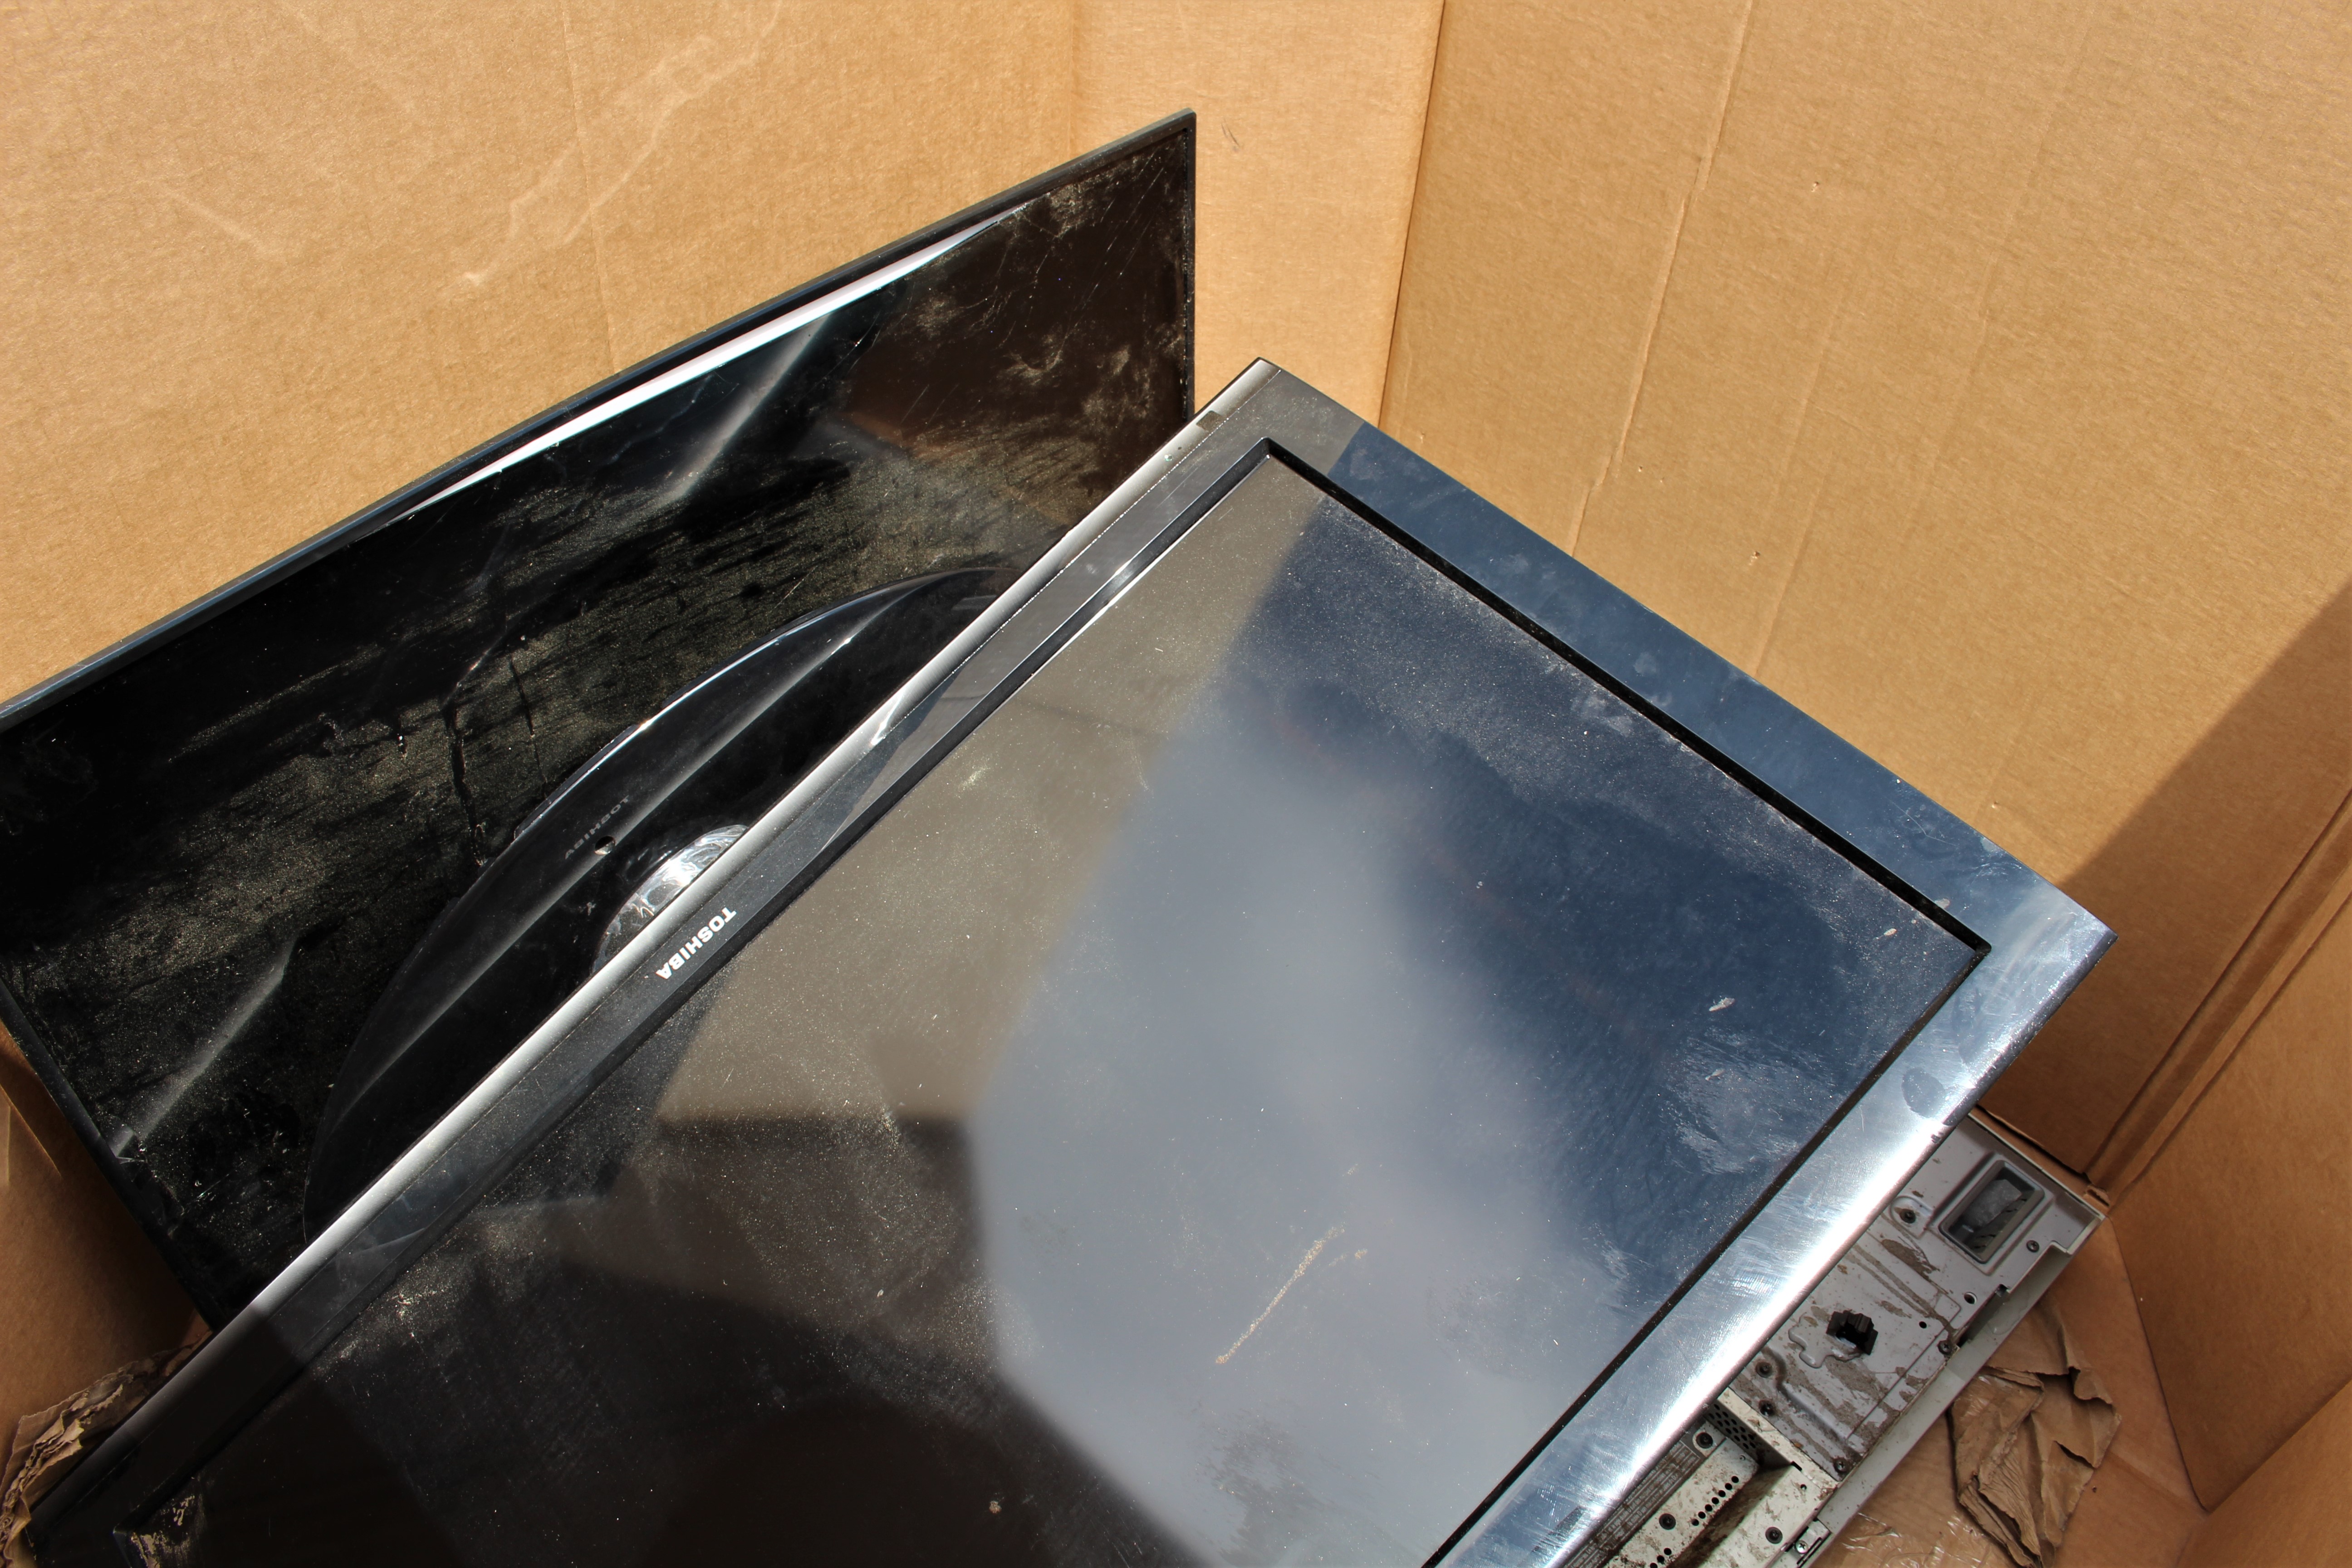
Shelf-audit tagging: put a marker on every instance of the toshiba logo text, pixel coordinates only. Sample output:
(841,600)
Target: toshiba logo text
(694,944)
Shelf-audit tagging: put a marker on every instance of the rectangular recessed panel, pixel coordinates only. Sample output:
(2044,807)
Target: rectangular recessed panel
(1230,1109)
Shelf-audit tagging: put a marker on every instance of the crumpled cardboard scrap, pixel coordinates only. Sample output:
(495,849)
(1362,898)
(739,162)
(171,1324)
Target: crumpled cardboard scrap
(2027,1432)
(48,1442)
(1914,1521)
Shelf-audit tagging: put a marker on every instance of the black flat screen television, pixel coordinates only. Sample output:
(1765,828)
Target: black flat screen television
(289,872)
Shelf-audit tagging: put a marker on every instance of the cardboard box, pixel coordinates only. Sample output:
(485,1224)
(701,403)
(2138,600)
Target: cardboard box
(1977,377)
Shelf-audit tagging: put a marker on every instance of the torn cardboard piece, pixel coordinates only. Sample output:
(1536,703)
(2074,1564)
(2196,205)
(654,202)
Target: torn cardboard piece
(2027,1432)
(47,1443)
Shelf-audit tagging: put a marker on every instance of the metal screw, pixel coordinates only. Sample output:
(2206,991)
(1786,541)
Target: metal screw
(1665,1521)
(1908,1217)
(1767,1409)
(1706,1439)
(1773,1535)
(1841,1465)
(2032,1247)
(1763,1369)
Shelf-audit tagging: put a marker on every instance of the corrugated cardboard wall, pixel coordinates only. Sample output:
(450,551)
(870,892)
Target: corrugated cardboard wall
(80,1290)
(1974,373)
(1311,117)
(272,261)
(2292,1513)
(2240,1234)
(269,262)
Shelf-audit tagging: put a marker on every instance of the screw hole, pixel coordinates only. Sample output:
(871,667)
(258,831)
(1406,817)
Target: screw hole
(1773,1535)
(604,844)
